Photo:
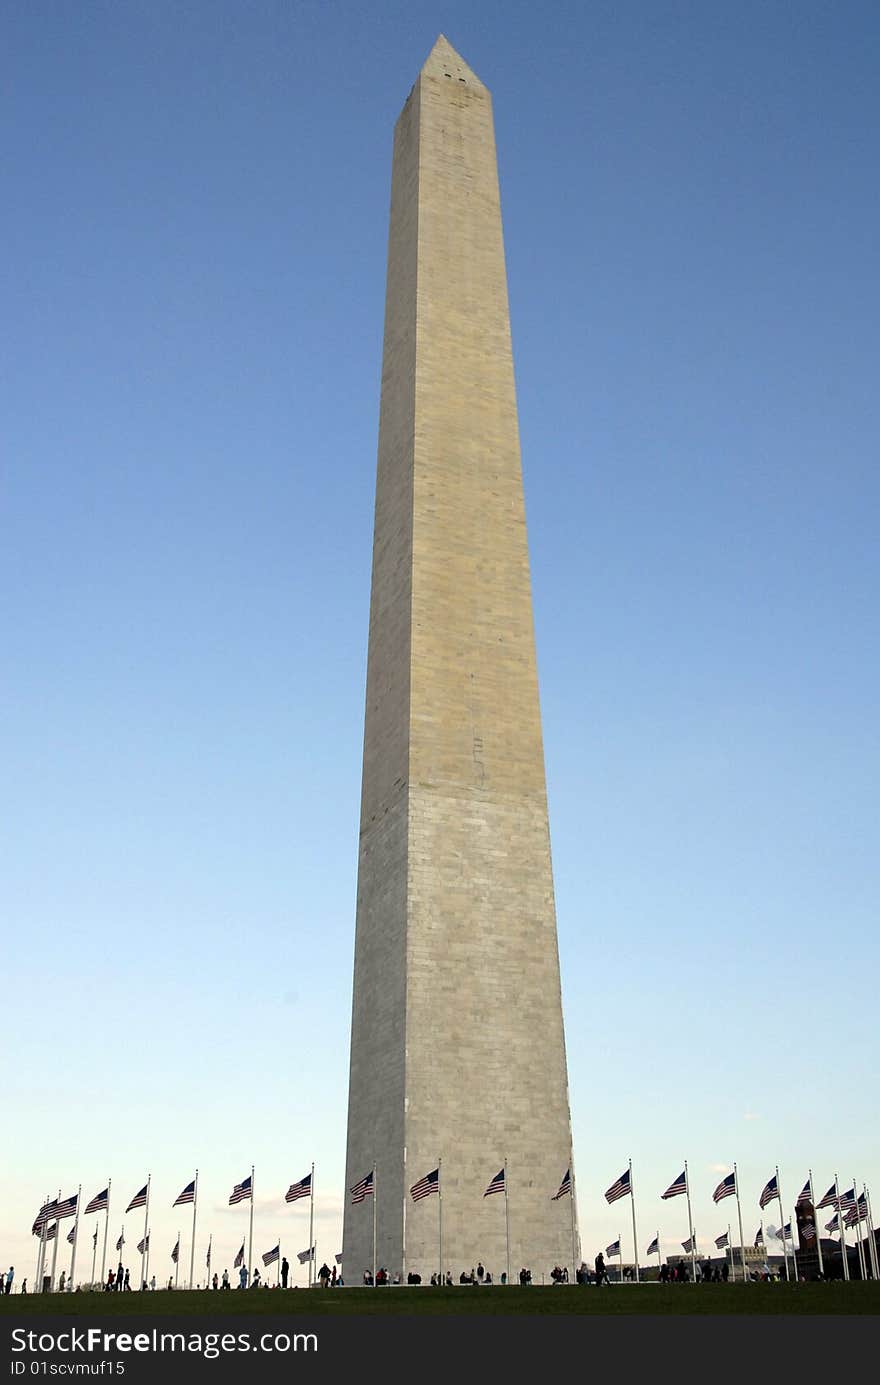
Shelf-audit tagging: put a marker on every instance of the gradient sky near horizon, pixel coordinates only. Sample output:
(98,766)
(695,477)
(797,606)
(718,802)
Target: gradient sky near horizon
(195,232)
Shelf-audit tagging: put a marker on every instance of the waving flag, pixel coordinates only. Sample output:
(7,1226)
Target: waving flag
(304,1256)
(805,1195)
(784,1232)
(613,1249)
(188,1195)
(857,1213)
(208,1256)
(95,1238)
(139,1200)
(690,1244)
(722,1241)
(301,1189)
(653,1248)
(426,1186)
(121,1242)
(99,1202)
(242,1191)
(239,1259)
(497,1184)
(808,1231)
(45,1214)
(67,1208)
(71,1235)
(834,1223)
(830,1198)
(620,1188)
(759,1238)
(52,1232)
(363,1189)
(770,1192)
(176,1251)
(848,1200)
(143,1245)
(675,1189)
(726,1188)
(271,1256)
(564,1187)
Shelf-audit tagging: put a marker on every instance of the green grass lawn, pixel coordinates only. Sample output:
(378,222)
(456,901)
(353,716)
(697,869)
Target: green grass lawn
(571,1299)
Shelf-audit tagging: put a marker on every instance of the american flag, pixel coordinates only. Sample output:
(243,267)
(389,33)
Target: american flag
(830,1198)
(613,1249)
(241,1191)
(143,1245)
(847,1201)
(564,1187)
(722,1241)
(121,1242)
(67,1208)
(139,1199)
(208,1256)
(95,1237)
(857,1213)
(339,1258)
(304,1256)
(770,1192)
(43,1216)
(675,1189)
(363,1189)
(784,1232)
(620,1188)
(99,1203)
(301,1189)
(690,1244)
(239,1259)
(759,1237)
(654,1247)
(726,1188)
(188,1195)
(426,1186)
(71,1235)
(52,1232)
(497,1185)
(175,1254)
(271,1256)
(808,1231)
(833,1224)
(805,1195)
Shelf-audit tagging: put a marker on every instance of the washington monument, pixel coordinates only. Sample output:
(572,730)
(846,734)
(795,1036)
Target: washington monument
(457,1045)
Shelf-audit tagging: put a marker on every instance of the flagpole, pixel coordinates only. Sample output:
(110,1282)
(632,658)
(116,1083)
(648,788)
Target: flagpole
(41,1247)
(75,1236)
(858,1230)
(730,1244)
(782,1214)
(507,1216)
(872,1241)
(177,1263)
(208,1264)
(55,1250)
(659,1260)
(147,1252)
(312,1221)
(106,1224)
(192,1251)
(742,1244)
(816,1225)
(440,1215)
(573,1279)
(144,1251)
(251,1235)
(375,1201)
(687,1184)
(844,1253)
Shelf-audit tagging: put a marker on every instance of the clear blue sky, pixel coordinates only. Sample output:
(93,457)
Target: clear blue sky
(192,294)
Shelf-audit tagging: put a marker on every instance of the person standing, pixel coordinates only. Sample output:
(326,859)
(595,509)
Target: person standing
(10,1275)
(285,1271)
(225,1280)
(214,1281)
(126,1284)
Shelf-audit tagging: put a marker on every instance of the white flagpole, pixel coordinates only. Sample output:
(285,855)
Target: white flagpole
(94,1256)
(507,1215)
(858,1230)
(687,1184)
(440,1215)
(75,1236)
(785,1248)
(192,1251)
(106,1224)
(730,1245)
(41,1248)
(632,1194)
(816,1225)
(375,1201)
(573,1279)
(55,1250)
(872,1240)
(742,1244)
(312,1222)
(251,1235)
(147,1252)
(659,1260)
(844,1253)
(144,1251)
(177,1263)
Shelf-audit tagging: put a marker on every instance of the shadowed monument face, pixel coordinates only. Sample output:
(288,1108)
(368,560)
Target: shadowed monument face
(457,1051)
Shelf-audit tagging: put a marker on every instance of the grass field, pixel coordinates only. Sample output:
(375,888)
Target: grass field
(832,1298)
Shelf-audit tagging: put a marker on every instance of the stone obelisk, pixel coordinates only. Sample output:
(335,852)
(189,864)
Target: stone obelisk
(457,1045)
